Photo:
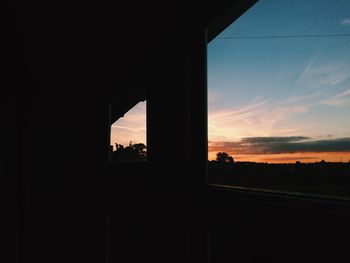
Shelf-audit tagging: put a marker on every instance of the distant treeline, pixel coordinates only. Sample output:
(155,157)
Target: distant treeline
(132,152)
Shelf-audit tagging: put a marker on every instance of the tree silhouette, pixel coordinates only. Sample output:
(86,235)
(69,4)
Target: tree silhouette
(223,157)
(132,152)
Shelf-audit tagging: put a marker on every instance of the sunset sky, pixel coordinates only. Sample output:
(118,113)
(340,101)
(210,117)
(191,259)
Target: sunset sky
(131,127)
(282,98)
(278,85)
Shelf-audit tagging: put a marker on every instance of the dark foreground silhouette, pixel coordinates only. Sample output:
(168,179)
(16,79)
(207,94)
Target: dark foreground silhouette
(321,178)
(132,152)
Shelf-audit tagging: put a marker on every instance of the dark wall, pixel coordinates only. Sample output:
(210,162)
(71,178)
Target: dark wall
(60,67)
(64,64)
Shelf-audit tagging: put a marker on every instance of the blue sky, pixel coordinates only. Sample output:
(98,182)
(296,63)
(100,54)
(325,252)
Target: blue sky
(281,87)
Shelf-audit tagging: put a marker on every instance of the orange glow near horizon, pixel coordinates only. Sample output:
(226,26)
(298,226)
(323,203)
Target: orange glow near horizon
(281,99)
(304,157)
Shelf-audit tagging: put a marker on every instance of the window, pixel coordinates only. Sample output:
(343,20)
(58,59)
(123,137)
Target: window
(128,135)
(279,99)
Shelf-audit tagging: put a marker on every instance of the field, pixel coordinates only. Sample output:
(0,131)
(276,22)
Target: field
(322,178)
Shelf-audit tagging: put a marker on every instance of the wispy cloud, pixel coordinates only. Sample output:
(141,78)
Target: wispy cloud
(345,21)
(233,121)
(280,145)
(321,74)
(259,116)
(340,100)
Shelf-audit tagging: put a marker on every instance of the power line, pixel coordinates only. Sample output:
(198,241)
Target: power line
(285,36)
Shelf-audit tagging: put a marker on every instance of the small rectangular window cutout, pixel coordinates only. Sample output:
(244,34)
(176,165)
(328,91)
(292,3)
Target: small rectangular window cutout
(279,99)
(128,134)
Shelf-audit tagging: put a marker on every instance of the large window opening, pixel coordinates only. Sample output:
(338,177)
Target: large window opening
(279,99)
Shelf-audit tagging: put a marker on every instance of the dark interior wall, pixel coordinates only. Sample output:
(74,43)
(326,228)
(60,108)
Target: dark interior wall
(9,180)
(62,169)
(64,64)
(54,141)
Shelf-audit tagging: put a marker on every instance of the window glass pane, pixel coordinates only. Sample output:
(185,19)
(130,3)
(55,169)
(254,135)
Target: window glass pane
(128,135)
(279,98)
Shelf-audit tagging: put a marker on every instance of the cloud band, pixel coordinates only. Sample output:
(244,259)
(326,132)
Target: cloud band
(280,145)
